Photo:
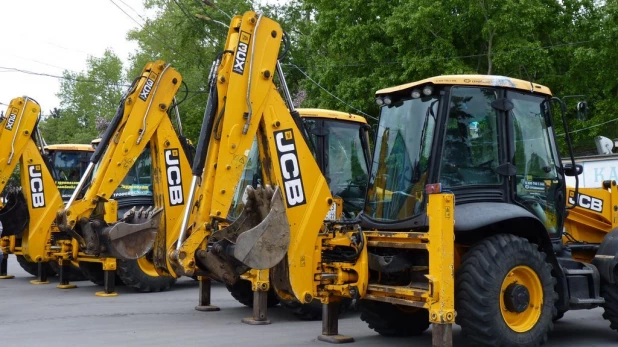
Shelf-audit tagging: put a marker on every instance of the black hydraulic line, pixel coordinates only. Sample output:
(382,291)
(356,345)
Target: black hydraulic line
(205,132)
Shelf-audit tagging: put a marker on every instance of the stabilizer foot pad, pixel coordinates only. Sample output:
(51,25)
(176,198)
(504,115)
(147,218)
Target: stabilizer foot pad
(105,295)
(7,277)
(39,282)
(66,286)
(251,321)
(336,338)
(207,308)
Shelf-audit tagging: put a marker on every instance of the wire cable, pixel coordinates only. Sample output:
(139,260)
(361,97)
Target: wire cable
(331,94)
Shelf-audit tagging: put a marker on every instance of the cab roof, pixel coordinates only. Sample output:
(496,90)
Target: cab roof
(330,114)
(475,80)
(70,147)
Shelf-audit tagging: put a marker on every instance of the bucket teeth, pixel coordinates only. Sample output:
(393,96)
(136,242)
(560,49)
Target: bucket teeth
(134,236)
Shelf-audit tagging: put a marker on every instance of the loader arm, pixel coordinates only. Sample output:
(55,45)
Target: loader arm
(244,103)
(29,212)
(140,121)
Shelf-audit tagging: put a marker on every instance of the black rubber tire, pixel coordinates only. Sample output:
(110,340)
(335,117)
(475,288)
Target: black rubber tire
(33,268)
(478,290)
(610,293)
(93,272)
(132,275)
(74,274)
(313,310)
(392,321)
(241,291)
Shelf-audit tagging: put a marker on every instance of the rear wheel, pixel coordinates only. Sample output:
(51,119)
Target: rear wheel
(73,274)
(141,275)
(33,268)
(312,310)
(610,293)
(241,291)
(394,320)
(505,293)
(93,272)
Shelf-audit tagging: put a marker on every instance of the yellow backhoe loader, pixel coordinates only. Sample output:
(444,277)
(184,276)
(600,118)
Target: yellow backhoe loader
(41,251)
(66,164)
(465,210)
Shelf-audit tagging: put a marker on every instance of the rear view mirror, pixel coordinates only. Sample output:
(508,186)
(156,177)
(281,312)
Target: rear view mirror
(571,171)
(582,110)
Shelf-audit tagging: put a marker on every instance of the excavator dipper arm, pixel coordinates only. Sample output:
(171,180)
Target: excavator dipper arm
(141,120)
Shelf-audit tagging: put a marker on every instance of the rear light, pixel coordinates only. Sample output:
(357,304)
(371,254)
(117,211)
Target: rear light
(435,188)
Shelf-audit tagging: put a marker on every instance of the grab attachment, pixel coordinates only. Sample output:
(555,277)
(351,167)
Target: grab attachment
(134,236)
(260,236)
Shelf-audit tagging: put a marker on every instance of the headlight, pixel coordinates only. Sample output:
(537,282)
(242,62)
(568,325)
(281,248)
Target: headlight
(427,90)
(379,101)
(416,94)
(388,100)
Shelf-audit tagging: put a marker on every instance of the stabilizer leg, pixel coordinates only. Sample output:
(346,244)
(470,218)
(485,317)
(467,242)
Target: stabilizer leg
(260,304)
(63,274)
(441,335)
(204,296)
(41,277)
(330,325)
(3,268)
(109,278)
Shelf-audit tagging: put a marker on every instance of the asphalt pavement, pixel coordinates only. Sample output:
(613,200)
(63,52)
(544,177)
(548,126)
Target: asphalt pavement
(41,315)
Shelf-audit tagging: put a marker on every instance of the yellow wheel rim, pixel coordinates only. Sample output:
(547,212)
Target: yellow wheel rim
(525,319)
(147,266)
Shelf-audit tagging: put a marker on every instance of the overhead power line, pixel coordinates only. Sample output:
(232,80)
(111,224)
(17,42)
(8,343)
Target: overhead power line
(331,94)
(148,32)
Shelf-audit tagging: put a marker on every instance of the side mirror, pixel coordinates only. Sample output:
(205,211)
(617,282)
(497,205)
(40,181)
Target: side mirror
(582,110)
(571,171)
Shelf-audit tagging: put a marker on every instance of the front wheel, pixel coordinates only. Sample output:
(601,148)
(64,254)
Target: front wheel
(33,268)
(609,292)
(394,320)
(242,292)
(141,275)
(505,293)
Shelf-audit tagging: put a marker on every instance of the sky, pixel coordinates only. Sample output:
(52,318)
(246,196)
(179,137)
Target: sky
(49,37)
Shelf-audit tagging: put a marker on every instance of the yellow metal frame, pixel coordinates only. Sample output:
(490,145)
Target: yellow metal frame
(439,295)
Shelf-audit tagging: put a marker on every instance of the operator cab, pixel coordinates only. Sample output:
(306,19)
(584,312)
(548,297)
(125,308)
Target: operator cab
(340,145)
(487,139)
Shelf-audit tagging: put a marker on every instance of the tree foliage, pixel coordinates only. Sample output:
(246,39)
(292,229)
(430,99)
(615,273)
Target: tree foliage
(349,49)
(85,97)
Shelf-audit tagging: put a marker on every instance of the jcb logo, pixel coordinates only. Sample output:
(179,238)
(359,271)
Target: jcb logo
(174,178)
(10,121)
(586,202)
(36,186)
(148,86)
(241,53)
(290,168)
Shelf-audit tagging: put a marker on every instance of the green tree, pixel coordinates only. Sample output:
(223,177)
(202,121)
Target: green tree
(84,97)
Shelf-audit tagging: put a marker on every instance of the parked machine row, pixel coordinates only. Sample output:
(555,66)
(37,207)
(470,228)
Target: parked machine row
(461,215)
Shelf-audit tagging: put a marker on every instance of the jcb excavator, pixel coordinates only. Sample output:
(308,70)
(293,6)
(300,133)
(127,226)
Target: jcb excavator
(66,166)
(465,209)
(25,213)
(49,241)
